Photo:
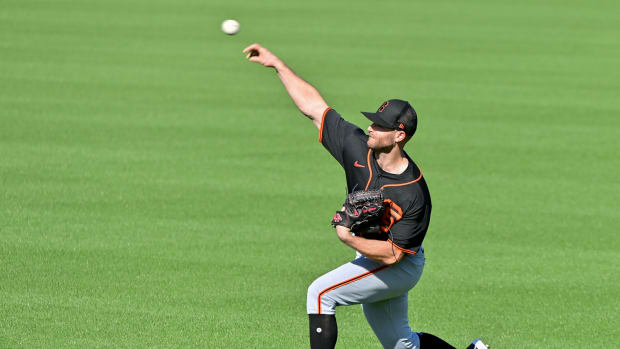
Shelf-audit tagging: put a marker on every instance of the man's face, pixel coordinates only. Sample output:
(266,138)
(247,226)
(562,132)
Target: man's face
(380,137)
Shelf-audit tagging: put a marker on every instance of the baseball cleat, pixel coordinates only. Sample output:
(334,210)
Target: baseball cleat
(478,344)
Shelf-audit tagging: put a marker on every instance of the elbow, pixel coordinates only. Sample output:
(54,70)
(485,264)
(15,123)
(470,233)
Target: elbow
(393,258)
(313,109)
(305,110)
(390,260)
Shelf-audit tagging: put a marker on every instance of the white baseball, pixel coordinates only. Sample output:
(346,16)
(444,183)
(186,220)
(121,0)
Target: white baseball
(230,27)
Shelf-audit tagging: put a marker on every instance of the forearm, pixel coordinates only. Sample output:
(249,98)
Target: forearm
(379,251)
(304,95)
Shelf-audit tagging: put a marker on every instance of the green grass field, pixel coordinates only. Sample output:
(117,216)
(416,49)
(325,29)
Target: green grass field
(158,191)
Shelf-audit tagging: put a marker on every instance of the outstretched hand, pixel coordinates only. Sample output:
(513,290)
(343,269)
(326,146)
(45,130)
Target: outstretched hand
(259,54)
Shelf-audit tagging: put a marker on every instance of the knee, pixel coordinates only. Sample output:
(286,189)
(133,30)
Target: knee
(313,289)
(312,298)
(317,301)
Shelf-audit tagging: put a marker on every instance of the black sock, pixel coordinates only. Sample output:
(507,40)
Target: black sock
(323,331)
(428,341)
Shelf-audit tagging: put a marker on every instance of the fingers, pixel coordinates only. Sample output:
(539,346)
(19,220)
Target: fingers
(252,53)
(253,47)
(257,53)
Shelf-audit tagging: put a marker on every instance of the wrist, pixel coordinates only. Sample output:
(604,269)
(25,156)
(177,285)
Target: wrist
(279,66)
(344,234)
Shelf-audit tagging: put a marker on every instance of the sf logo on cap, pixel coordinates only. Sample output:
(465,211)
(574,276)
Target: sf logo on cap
(383,106)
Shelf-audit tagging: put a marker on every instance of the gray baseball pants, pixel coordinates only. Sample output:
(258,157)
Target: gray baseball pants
(382,290)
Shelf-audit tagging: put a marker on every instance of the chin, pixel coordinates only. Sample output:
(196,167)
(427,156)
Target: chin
(381,149)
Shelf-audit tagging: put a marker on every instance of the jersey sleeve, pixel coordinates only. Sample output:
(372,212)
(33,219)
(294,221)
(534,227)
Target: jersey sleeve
(336,134)
(408,233)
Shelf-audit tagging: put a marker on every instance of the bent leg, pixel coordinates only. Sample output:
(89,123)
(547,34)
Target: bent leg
(378,287)
(359,281)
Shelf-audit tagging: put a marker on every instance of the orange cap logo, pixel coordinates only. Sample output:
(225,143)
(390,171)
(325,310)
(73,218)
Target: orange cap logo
(401,126)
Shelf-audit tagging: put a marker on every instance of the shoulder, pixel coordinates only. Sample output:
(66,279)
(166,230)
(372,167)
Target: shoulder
(335,125)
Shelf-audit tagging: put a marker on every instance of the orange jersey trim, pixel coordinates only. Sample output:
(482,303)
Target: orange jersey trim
(369,169)
(401,184)
(322,121)
(346,282)
(394,215)
(394,208)
(402,249)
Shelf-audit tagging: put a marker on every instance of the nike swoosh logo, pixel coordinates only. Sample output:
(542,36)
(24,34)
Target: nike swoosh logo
(357,164)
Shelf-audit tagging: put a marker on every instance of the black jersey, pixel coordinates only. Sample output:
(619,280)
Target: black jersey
(407,219)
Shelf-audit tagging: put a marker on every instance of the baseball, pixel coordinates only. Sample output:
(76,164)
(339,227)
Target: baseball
(230,27)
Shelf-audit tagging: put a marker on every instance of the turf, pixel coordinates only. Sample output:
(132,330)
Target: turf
(158,191)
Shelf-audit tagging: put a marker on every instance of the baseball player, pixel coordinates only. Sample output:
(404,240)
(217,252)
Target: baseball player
(390,261)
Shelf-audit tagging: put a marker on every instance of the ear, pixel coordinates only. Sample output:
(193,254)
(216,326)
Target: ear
(400,136)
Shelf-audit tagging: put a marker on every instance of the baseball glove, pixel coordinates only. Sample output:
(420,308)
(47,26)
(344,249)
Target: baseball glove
(362,211)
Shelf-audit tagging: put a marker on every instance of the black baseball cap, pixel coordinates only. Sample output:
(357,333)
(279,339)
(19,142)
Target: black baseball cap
(395,114)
